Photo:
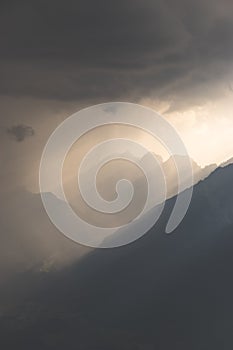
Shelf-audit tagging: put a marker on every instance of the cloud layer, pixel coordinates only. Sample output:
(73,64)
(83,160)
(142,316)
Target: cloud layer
(106,50)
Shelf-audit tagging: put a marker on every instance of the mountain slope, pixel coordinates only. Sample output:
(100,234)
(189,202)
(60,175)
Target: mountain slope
(161,292)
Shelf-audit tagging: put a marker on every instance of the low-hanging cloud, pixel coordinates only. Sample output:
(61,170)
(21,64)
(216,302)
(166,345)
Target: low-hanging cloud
(20,132)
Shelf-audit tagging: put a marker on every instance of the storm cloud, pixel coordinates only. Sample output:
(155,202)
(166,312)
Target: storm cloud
(101,50)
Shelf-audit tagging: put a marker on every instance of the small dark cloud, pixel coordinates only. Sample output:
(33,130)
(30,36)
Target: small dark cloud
(20,132)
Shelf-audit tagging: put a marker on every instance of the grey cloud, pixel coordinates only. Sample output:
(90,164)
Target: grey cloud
(102,50)
(20,132)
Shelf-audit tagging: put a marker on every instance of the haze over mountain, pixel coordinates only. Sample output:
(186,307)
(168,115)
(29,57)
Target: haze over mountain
(30,240)
(161,292)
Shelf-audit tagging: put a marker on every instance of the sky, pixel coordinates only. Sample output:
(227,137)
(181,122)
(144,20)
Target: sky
(58,57)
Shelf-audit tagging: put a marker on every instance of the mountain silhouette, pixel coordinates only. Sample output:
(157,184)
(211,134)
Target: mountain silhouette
(161,292)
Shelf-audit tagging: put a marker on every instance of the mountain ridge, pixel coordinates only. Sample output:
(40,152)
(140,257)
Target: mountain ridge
(147,295)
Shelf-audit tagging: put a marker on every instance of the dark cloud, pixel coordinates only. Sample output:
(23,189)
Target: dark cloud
(20,132)
(101,50)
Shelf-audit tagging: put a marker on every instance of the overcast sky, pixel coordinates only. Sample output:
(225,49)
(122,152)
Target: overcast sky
(175,56)
(57,57)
